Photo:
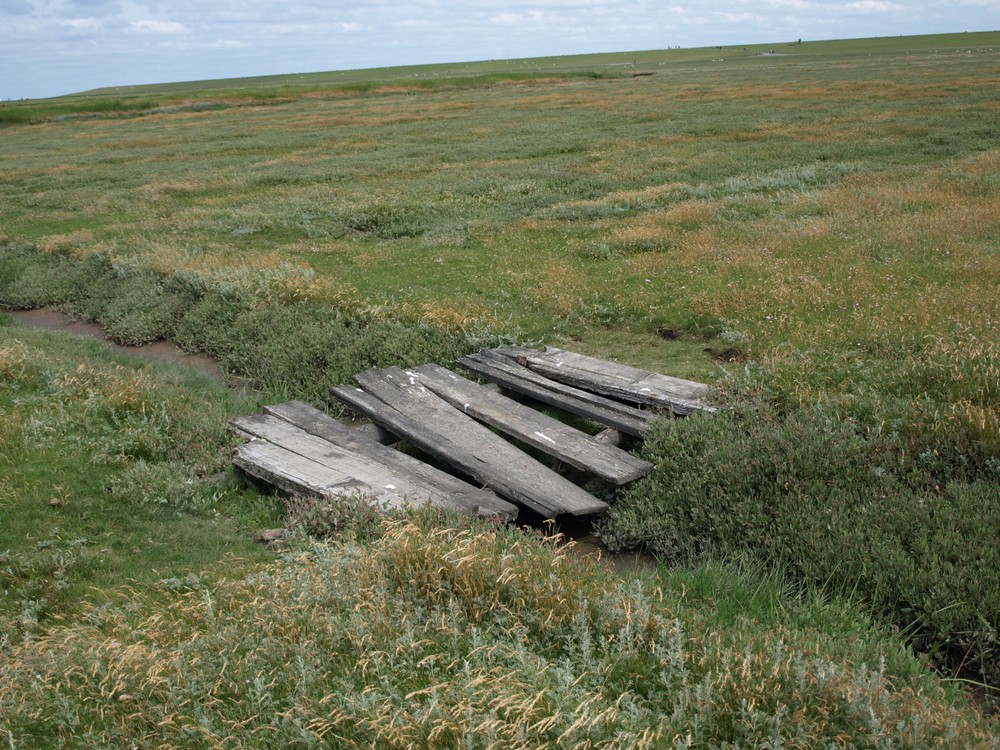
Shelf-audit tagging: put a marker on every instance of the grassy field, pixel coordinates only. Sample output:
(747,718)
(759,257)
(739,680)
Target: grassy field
(109,476)
(813,231)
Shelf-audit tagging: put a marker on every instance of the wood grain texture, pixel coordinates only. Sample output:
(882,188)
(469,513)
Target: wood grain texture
(311,463)
(682,397)
(402,405)
(504,371)
(461,494)
(532,427)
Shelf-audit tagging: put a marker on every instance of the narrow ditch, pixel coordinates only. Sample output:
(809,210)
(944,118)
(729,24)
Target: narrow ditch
(158,351)
(586,543)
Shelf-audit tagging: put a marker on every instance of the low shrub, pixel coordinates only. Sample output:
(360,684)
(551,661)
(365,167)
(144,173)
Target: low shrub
(351,517)
(888,514)
(171,485)
(207,323)
(31,279)
(33,580)
(283,344)
(143,309)
(304,348)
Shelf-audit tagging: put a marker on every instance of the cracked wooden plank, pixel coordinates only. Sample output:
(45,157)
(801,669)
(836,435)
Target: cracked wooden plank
(682,397)
(464,496)
(505,372)
(295,460)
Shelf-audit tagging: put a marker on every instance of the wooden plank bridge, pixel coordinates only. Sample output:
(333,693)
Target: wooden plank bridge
(459,424)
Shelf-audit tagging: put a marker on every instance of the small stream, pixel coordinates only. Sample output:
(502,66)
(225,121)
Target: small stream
(158,351)
(587,544)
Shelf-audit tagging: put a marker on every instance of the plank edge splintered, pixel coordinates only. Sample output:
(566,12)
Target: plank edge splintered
(532,427)
(507,373)
(466,497)
(294,460)
(632,384)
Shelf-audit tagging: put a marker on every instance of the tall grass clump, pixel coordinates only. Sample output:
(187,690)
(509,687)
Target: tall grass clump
(110,471)
(454,634)
(110,414)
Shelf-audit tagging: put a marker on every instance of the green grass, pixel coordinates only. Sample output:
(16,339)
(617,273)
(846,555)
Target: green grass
(543,207)
(888,517)
(135,609)
(435,633)
(109,477)
(815,232)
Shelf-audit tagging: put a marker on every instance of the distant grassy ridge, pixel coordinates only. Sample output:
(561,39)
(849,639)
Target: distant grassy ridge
(152,98)
(175,98)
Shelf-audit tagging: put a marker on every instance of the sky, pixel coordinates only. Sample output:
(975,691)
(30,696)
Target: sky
(54,47)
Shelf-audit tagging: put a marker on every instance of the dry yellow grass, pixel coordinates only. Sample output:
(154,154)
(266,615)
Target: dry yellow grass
(435,637)
(75,243)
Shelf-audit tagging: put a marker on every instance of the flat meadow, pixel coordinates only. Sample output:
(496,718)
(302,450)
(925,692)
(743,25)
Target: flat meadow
(812,228)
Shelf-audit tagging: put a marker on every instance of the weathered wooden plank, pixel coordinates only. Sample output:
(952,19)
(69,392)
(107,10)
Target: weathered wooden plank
(295,474)
(545,433)
(373,432)
(611,436)
(402,405)
(345,468)
(680,396)
(507,373)
(475,500)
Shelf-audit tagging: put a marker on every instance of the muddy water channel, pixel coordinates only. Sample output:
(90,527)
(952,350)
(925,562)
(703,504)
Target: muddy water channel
(159,351)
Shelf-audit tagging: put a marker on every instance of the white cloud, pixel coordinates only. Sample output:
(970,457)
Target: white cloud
(147,26)
(737,17)
(877,6)
(792,4)
(415,23)
(217,44)
(81,23)
(531,18)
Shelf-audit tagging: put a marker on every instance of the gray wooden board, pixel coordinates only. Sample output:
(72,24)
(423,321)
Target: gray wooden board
(507,373)
(325,465)
(292,473)
(682,397)
(400,404)
(539,430)
(475,500)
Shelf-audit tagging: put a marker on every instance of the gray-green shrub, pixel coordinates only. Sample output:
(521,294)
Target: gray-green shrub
(904,520)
